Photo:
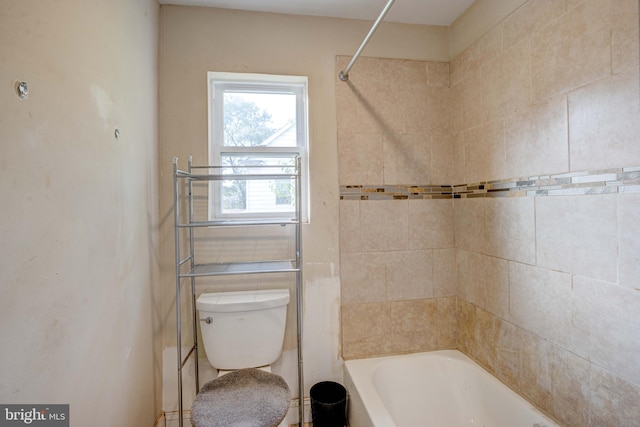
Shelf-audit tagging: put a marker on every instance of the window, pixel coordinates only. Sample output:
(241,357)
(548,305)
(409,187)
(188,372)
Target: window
(257,120)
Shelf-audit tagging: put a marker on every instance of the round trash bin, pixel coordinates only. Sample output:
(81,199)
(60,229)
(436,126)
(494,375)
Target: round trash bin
(328,404)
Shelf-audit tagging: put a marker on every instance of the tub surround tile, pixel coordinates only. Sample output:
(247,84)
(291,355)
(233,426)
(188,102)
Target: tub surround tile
(441,158)
(366,329)
(439,74)
(447,320)
(536,139)
(578,235)
(444,273)
(610,395)
(509,229)
(407,158)
(628,241)
(360,158)
(609,341)
(414,326)
(603,122)
(362,277)
(469,225)
(537,358)
(540,301)
(483,152)
(409,275)
(506,82)
(395,327)
(484,281)
(572,50)
(571,390)
(430,224)
(374,226)
(529,18)
(625,39)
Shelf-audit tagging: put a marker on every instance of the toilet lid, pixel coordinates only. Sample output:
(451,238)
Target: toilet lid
(246,397)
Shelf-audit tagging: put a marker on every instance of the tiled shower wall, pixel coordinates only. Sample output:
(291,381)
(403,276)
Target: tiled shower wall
(544,140)
(397,259)
(548,276)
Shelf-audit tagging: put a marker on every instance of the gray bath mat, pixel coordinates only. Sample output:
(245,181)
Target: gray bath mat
(243,398)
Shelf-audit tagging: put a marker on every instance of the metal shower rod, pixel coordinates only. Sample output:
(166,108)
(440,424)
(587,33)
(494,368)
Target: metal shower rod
(344,75)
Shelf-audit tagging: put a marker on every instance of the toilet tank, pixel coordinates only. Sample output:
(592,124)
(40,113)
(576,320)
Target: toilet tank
(243,329)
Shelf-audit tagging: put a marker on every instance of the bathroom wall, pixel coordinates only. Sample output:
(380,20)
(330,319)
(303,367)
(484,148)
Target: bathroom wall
(397,268)
(78,302)
(545,128)
(196,40)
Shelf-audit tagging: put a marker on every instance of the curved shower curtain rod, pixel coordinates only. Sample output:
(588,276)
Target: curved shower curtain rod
(344,75)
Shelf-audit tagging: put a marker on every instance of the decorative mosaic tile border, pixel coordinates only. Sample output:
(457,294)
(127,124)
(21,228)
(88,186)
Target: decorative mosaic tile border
(607,181)
(395,192)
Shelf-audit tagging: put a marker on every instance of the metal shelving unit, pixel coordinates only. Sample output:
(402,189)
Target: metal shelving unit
(187,270)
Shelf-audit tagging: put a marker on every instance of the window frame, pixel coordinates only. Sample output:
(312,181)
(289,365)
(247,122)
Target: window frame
(220,82)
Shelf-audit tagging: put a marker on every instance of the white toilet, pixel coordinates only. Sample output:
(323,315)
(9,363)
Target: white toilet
(243,329)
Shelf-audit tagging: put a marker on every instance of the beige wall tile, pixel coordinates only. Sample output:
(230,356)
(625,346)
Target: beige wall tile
(578,235)
(441,160)
(469,224)
(409,275)
(603,123)
(349,225)
(483,281)
(360,159)
(407,159)
(509,228)
(444,273)
(456,68)
(540,301)
(625,39)
(362,277)
(571,391)
(439,75)
(447,318)
(414,326)
(466,322)
(373,226)
(434,112)
(572,51)
(528,18)
(614,402)
(366,330)
(607,325)
(457,142)
(404,72)
(430,224)
(537,358)
(506,82)
(466,103)
(536,139)
(484,49)
(628,241)
(484,152)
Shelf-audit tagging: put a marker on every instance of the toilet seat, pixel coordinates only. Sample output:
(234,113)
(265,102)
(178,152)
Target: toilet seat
(246,397)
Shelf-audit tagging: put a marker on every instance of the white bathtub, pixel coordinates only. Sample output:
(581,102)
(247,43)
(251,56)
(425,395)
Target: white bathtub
(435,389)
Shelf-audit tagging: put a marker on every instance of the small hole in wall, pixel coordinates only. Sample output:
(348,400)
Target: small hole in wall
(22,90)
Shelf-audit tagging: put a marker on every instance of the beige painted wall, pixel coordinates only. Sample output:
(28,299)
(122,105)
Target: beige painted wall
(79,208)
(196,40)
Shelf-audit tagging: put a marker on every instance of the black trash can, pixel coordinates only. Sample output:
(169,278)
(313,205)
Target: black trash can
(328,404)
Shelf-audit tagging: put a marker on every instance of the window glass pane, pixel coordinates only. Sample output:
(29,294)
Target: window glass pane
(267,195)
(254,119)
